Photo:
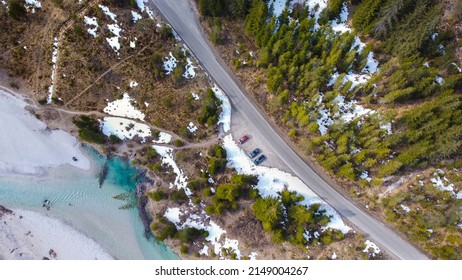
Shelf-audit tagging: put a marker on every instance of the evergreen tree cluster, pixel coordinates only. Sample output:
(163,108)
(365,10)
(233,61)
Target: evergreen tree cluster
(301,56)
(288,220)
(404,26)
(224,8)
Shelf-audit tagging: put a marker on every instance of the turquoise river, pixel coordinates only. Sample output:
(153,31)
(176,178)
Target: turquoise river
(77,199)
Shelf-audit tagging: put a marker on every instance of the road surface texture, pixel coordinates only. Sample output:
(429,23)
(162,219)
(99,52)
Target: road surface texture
(182,17)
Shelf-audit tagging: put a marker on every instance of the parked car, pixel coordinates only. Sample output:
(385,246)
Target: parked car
(254,153)
(243,139)
(259,159)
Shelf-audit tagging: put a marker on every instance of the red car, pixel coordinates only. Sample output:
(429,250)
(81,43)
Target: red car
(243,139)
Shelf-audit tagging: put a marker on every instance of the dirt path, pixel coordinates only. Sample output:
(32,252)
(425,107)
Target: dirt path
(66,115)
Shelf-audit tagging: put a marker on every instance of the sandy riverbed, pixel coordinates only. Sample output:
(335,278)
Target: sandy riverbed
(28,147)
(30,235)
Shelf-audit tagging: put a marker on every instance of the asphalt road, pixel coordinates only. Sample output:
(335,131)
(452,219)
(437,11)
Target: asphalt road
(180,15)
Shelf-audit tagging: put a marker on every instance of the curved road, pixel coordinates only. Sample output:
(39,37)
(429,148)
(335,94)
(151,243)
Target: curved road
(181,16)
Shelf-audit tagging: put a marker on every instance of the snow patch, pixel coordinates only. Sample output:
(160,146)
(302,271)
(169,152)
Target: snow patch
(167,158)
(347,111)
(253,255)
(405,208)
(438,182)
(316,7)
(387,127)
(202,221)
(371,248)
(191,127)
(133,43)
(144,8)
(136,16)
(133,84)
(458,68)
(54,59)
(439,80)
(365,176)
(31,5)
(372,65)
(459,195)
(164,138)
(189,69)
(124,108)
(170,63)
(278,6)
(124,128)
(115,29)
(204,251)
(114,43)
(108,12)
(92,22)
(340,25)
(225,115)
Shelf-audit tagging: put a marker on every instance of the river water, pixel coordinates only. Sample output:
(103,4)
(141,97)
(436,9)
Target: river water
(77,199)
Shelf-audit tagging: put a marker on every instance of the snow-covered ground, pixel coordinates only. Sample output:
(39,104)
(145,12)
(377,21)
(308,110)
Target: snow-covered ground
(278,6)
(108,12)
(124,108)
(93,25)
(133,43)
(371,248)
(164,138)
(114,28)
(135,16)
(216,237)
(189,72)
(225,115)
(405,208)
(124,128)
(28,146)
(141,5)
(347,112)
(29,235)
(167,158)
(31,5)
(440,182)
(457,66)
(114,41)
(170,63)
(54,59)
(191,127)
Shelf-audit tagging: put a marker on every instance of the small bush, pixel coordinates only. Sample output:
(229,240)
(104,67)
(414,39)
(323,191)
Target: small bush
(168,231)
(179,196)
(184,249)
(157,195)
(178,143)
